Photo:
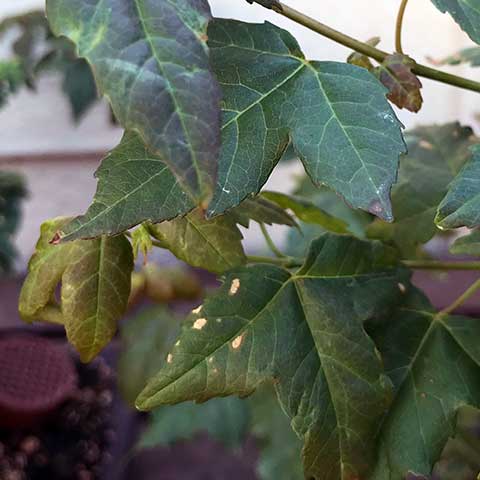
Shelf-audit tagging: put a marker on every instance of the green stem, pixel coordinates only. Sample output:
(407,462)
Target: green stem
(270,242)
(363,47)
(286,262)
(439,265)
(462,298)
(399,26)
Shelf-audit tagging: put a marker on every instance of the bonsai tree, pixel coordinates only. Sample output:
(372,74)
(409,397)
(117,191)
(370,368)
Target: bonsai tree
(376,383)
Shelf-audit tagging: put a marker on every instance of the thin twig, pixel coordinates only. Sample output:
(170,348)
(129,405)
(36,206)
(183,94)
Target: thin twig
(362,47)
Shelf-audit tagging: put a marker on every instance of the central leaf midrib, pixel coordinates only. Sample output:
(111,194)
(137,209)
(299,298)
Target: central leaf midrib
(260,99)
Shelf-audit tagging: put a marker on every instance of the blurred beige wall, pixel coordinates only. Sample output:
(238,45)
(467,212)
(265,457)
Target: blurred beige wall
(40,122)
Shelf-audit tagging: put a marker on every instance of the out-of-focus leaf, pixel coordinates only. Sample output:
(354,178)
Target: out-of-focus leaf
(12,192)
(151,61)
(467,245)
(12,77)
(268,325)
(226,420)
(335,115)
(215,245)
(95,277)
(307,211)
(460,459)
(469,55)
(146,340)
(280,448)
(403,85)
(461,206)
(79,87)
(433,361)
(435,155)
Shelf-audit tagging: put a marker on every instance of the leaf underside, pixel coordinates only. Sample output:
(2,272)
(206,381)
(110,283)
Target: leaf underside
(150,60)
(304,333)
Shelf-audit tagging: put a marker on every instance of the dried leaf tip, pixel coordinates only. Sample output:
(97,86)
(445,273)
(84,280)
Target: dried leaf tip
(56,238)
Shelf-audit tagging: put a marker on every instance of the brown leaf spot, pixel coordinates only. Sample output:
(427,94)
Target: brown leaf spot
(169,358)
(402,287)
(197,310)
(56,239)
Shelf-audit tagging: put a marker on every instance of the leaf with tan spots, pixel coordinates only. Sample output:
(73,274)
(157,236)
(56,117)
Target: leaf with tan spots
(95,278)
(303,332)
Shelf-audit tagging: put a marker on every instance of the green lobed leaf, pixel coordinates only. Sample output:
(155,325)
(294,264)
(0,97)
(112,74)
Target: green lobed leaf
(134,186)
(146,340)
(435,155)
(303,332)
(461,206)
(215,245)
(307,211)
(433,361)
(224,419)
(150,60)
(465,12)
(95,278)
(460,459)
(467,245)
(335,114)
(403,85)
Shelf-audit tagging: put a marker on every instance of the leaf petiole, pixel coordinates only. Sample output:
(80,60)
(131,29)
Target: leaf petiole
(399,26)
(462,298)
(271,244)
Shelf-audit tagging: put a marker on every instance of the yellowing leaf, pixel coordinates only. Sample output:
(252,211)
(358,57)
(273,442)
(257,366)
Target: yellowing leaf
(215,245)
(95,278)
